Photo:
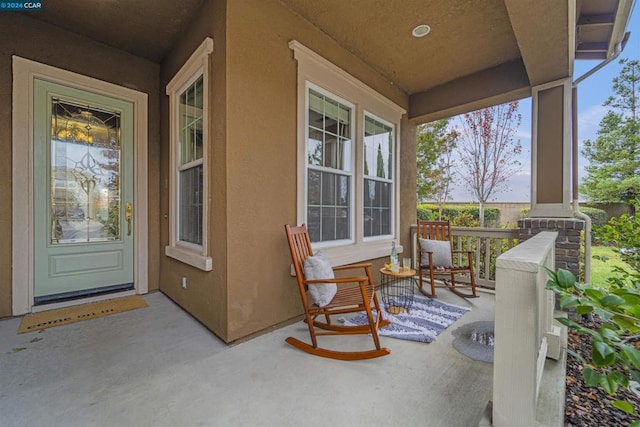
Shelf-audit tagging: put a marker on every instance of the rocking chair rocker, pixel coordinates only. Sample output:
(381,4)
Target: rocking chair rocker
(347,299)
(435,258)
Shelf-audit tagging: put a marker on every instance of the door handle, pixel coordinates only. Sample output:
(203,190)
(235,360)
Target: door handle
(128,211)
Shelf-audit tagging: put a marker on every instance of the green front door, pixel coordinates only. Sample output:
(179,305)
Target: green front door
(82,193)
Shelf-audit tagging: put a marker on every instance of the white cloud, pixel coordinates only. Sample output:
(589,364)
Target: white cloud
(589,121)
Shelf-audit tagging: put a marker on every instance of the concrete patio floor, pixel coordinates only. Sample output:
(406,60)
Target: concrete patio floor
(157,366)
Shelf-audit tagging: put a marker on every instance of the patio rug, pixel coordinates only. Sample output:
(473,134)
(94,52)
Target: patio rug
(426,320)
(64,316)
(476,340)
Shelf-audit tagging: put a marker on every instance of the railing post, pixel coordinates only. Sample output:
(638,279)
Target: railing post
(523,329)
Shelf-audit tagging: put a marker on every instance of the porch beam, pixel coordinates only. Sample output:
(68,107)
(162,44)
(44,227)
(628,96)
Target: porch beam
(541,29)
(592,55)
(597,19)
(593,47)
(503,83)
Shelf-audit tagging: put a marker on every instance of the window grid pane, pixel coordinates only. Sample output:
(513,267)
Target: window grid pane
(190,111)
(329,133)
(377,207)
(378,181)
(328,208)
(191,205)
(378,149)
(328,147)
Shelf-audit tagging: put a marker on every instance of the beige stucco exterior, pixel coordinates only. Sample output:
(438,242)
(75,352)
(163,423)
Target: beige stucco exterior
(254,165)
(253,128)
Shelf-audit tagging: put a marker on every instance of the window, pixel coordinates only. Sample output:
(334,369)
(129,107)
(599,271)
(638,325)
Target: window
(330,168)
(188,108)
(190,164)
(378,177)
(347,161)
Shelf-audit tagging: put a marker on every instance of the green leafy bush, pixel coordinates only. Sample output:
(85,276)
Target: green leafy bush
(598,216)
(429,206)
(491,215)
(624,232)
(613,361)
(524,212)
(464,219)
(424,213)
(450,212)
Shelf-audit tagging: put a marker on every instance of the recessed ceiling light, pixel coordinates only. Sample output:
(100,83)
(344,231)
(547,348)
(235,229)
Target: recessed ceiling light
(421,30)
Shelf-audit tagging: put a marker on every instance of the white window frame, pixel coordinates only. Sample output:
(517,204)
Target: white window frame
(351,174)
(393,179)
(197,65)
(315,71)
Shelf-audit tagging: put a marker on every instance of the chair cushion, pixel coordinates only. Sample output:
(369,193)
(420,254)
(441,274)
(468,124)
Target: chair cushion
(441,252)
(318,267)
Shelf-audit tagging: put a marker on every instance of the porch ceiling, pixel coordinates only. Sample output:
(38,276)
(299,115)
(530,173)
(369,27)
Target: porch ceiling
(145,28)
(499,48)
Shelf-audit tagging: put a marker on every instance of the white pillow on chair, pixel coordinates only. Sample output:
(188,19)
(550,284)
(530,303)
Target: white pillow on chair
(441,252)
(315,268)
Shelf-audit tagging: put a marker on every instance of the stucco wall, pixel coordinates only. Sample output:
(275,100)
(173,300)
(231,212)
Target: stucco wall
(31,39)
(252,164)
(206,294)
(262,153)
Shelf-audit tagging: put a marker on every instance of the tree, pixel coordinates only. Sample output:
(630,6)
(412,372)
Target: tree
(435,145)
(488,151)
(613,173)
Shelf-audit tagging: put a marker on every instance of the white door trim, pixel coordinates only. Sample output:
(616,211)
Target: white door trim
(24,72)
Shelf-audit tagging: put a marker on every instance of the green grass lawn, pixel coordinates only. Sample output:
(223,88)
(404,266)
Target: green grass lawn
(601,270)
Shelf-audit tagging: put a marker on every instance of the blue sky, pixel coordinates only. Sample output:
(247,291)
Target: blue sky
(592,93)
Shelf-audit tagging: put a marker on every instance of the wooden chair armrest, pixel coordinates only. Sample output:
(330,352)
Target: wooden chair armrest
(350,266)
(337,280)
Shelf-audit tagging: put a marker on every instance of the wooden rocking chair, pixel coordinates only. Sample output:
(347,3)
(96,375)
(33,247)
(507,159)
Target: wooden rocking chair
(436,258)
(347,299)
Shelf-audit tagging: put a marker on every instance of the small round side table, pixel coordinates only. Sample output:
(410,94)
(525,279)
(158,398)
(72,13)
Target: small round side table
(397,289)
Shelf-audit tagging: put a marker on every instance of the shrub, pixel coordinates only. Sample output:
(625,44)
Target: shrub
(464,219)
(524,213)
(424,213)
(614,361)
(624,232)
(491,215)
(598,216)
(449,212)
(424,209)
(429,206)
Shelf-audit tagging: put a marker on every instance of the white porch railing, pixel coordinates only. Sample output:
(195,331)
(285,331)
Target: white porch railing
(486,243)
(524,330)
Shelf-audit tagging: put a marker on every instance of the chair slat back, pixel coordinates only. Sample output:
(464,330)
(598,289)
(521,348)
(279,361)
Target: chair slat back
(300,247)
(435,230)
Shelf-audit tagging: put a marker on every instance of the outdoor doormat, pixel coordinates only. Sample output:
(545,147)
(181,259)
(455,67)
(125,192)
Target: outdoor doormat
(78,313)
(426,319)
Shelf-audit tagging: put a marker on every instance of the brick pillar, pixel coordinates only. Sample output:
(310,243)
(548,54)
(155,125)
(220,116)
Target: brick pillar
(567,243)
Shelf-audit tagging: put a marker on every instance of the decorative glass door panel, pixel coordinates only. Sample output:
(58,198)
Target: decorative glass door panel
(83,193)
(85,174)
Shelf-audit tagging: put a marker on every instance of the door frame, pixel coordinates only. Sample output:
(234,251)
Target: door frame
(22,246)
